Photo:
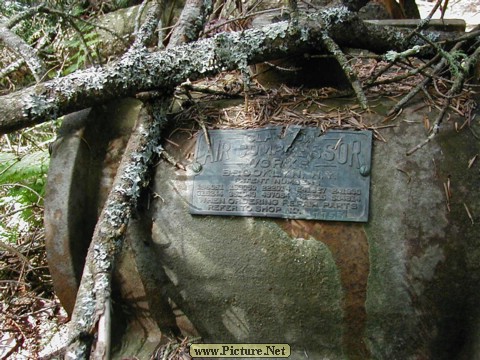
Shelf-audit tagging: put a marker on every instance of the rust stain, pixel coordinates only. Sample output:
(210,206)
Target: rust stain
(349,247)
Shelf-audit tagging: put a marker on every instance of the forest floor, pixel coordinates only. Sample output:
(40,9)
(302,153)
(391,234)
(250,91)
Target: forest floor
(31,313)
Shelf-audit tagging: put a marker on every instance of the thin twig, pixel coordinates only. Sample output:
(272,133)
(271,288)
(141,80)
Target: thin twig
(170,159)
(244,17)
(146,31)
(66,16)
(454,91)
(437,69)
(103,344)
(424,22)
(472,161)
(40,197)
(95,288)
(3,216)
(138,18)
(469,213)
(347,69)
(14,251)
(205,133)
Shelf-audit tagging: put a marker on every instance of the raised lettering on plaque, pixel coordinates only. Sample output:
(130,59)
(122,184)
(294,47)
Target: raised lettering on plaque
(293,172)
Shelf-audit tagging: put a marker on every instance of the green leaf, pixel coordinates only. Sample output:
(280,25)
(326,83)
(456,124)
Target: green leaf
(6,160)
(25,180)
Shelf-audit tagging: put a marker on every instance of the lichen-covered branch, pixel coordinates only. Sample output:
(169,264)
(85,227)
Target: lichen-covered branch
(391,57)
(146,31)
(138,18)
(418,70)
(14,20)
(436,70)
(191,21)
(14,66)
(92,309)
(452,92)
(143,71)
(18,45)
(347,69)
(95,287)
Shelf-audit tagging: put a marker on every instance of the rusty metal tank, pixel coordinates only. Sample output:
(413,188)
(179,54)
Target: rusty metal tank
(403,285)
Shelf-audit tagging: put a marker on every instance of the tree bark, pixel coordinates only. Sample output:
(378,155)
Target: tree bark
(162,70)
(191,21)
(18,45)
(92,307)
(95,290)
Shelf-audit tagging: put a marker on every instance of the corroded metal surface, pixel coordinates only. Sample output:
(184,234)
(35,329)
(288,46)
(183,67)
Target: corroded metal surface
(402,286)
(83,162)
(67,235)
(295,173)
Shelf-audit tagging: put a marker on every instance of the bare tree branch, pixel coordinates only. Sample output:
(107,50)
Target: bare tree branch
(18,45)
(191,21)
(437,69)
(14,66)
(93,308)
(347,69)
(28,54)
(146,31)
(95,287)
(163,70)
(24,15)
(452,92)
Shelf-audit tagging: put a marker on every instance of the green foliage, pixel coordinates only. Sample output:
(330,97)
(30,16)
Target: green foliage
(29,170)
(22,185)
(82,49)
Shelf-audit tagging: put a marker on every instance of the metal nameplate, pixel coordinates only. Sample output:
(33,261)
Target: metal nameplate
(293,172)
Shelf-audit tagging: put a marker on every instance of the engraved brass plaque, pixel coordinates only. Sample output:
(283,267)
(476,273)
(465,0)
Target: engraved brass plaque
(293,172)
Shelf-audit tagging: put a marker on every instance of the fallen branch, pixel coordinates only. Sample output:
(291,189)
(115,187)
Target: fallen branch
(436,70)
(146,31)
(95,288)
(18,45)
(163,70)
(93,305)
(333,48)
(413,72)
(29,54)
(14,66)
(452,92)
(191,21)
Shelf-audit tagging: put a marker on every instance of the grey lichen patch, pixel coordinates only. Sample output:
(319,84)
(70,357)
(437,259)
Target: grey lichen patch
(115,214)
(47,99)
(422,268)
(335,15)
(94,78)
(304,34)
(134,176)
(103,263)
(236,50)
(393,55)
(279,29)
(39,106)
(175,65)
(431,35)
